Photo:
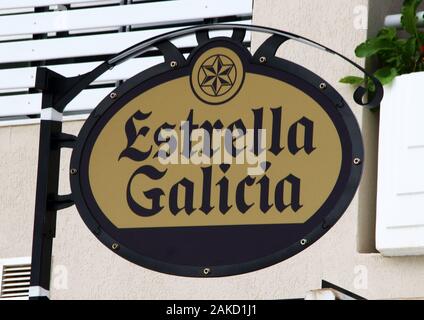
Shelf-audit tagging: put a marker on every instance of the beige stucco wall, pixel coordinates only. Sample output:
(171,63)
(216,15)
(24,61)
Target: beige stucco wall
(84,268)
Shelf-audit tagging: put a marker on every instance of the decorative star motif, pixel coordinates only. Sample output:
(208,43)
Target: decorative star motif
(217,75)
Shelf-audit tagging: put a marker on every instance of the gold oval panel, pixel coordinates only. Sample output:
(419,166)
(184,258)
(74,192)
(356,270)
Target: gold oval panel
(222,163)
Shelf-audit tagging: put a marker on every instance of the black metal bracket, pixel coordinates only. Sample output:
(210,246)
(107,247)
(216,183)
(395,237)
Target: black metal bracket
(171,53)
(55,88)
(63,140)
(59,90)
(59,202)
(269,47)
(202,35)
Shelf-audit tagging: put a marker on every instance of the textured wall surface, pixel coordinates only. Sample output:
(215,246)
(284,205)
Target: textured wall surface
(84,268)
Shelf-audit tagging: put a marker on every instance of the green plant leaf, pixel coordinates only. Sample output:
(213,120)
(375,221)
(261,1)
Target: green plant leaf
(370,86)
(409,16)
(421,38)
(373,46)
(352,80)
(387,33)
(410,53)
(394,60)
(410,47)
(386,74)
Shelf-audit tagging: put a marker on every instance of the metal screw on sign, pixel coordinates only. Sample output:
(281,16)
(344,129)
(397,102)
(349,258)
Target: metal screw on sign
(323,86)
(357,161)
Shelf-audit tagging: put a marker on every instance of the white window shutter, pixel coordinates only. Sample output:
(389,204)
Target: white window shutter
(74,36)
(400,195)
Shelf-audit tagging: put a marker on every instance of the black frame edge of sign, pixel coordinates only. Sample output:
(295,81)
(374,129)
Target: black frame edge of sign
(58,91)
(130,87)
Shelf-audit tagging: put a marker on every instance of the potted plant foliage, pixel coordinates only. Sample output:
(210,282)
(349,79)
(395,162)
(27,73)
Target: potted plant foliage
(400,60)
(395,56)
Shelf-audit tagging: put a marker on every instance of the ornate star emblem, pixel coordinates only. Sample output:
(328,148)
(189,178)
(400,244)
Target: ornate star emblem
(217,76)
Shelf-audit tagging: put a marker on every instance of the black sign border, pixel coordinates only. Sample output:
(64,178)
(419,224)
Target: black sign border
(299,77)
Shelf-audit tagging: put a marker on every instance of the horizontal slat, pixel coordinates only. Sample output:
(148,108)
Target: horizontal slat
(75,46)
(25,104)
(20,79)
(23,78)
(20,105)
(16,11)
(17,279)
(31,103)
(144,14)
(88,99)
(12,262)
(83,46)
(14,4)
(15,295)
(16,38)
(16,285)
(22,121)
(97,30)
(23,296)
(15,273)
(99,3)
(16,268)
(15,290)
(10,267)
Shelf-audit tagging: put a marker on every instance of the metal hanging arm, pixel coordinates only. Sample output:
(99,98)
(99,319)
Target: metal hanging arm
(144,46)
(71,87)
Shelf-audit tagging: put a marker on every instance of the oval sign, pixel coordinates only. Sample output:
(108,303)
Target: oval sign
(224,165)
